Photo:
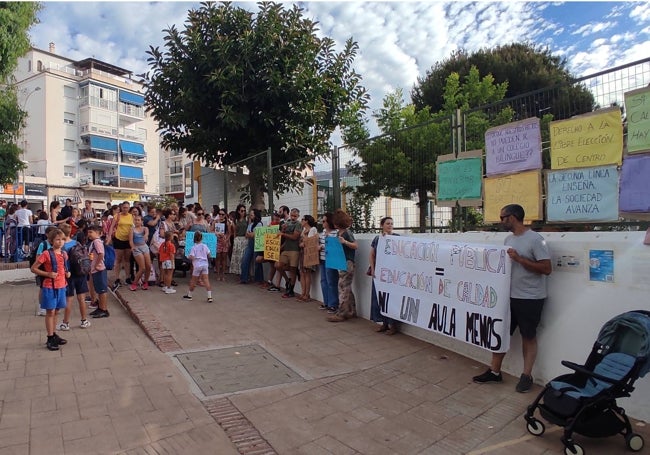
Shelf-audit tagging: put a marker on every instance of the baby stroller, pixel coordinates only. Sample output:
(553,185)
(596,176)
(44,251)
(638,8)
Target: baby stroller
(584,402)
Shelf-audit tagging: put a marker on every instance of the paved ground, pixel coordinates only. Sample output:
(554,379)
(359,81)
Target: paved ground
(112,389)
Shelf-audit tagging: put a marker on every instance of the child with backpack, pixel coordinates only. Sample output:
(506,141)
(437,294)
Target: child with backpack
(166,254)
(54,274)
(79,266)
(98,273)
(200,257)
(36,252)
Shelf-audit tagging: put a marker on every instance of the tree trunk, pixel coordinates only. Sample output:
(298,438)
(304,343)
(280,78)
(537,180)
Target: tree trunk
(423,203)
(256,184)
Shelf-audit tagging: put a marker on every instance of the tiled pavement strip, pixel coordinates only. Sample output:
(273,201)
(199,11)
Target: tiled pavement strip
(111,390)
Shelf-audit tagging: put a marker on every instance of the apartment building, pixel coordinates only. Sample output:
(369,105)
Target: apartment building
(88,136)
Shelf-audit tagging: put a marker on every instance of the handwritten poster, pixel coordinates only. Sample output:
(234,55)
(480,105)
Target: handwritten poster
(220,228)
(637,107)
(311,254)
(587,194)
(524,189)
(209,238)
(514,147)
(459,290)
(635,184)
(334,256)
(459,179)
(594,139)
(260,232)
(272,247)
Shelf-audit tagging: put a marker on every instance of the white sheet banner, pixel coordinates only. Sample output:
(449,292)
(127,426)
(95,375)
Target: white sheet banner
(460,290)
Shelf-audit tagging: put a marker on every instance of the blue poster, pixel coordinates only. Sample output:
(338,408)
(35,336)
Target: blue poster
(587,194)
(209,238)
(601,265)
(334,256)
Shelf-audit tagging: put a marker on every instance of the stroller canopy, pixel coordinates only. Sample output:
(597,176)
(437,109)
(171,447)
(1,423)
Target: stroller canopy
(628,333)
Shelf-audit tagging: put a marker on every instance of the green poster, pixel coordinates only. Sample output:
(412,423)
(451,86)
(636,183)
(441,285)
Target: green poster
(460,179)
(259,235)
(637,106)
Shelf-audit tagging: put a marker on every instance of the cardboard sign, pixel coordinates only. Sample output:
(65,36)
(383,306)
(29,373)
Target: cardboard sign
(260,233)
(272,247)
(311,254)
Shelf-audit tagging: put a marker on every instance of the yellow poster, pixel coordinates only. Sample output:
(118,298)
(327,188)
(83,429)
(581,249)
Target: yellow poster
(272,247)
(524,189)
(594,139)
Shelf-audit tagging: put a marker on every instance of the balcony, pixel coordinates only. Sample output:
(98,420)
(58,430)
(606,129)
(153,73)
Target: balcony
(178,188)
(98,128)
(129,110)
(87,155)
(99,183)
(139,135)
(132,184)
(175,170)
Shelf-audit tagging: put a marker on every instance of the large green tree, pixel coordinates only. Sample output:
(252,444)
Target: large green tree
(525,67)
(233,83)
(402,161)
(15,20)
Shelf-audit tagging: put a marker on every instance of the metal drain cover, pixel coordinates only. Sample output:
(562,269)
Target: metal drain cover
(228,370)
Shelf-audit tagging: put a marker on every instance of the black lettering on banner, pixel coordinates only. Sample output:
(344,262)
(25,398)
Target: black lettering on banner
(410,309)
(383,301)
(439,321)
(481,331)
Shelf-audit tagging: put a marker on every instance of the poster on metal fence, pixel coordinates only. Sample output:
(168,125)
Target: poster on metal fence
(524,189)
(209,238)
(514,147)
(586,194)
(456,289)
(637,108)
(635,184)
(260,232)
(594,139)
(459,180)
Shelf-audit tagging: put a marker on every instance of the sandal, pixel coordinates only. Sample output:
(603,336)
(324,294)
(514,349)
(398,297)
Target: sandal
(383,328)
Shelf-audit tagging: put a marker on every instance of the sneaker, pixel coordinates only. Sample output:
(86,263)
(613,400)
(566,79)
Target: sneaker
(273,289)
(133,287)
(63,326)
(187,297)
(115,286)
(524,384)
(288,295)
(94,305)
(96,312)
(332,311)
(487,377)
(170,291)
(42,312)
(210,300)
(322,307)
(88,300)
(145,286)
(101,314)
(129,280)
(60,341)
(52,344)
(85,323)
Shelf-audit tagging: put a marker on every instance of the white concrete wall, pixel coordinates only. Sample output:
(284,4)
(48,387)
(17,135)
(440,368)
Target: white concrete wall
(575,310)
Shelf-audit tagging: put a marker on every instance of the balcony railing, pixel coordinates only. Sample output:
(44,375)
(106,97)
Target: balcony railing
(89,154)
(176,170)
(131,110)
(129,183)
(93,101)
(90,128)
(104,181)
(139,135)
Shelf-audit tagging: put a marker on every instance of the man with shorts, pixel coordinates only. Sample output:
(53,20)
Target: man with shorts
(290,233)
(531,263)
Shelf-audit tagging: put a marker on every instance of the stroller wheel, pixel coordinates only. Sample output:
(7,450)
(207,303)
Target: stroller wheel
(577,450)
(535,427)
(634,442)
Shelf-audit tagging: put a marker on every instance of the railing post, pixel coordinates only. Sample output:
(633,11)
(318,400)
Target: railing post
(269,164)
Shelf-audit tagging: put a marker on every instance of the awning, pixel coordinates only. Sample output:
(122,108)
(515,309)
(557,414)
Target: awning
(131,98)
(104,144)
(132,148)
(131,172)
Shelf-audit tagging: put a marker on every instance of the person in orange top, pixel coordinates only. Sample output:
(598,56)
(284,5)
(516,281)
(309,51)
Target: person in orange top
(166,254)
(53,292)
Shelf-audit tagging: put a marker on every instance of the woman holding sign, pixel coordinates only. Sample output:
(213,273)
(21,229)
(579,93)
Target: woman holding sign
(388,325)
(225,229)
(308,224)
(347,305)
(239,246)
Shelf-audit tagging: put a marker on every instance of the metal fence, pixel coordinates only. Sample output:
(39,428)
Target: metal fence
(399,168)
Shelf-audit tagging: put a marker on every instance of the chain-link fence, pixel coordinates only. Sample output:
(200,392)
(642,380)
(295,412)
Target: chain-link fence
(395,174)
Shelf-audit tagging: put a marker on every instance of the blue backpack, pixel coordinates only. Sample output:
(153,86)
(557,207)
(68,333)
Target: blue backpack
(109,257)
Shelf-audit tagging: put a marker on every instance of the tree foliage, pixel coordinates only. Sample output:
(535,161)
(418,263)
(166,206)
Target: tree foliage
(15,20)
(233,83)
(525,67)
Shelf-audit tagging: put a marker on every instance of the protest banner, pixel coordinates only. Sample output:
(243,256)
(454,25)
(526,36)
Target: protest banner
(594,139)
(209,238)
(272,247)
(311,254)
(459,290)
(586,194)
(637,106)
(514,147)
(334,255)
(260,232)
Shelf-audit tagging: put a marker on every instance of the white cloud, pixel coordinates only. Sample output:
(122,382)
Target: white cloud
(592,28)
(641,12)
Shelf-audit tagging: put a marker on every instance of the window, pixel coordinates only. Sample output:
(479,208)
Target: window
(39,65)
(69,92)
(29,66)
(69,171)
(69,118)
(69,145)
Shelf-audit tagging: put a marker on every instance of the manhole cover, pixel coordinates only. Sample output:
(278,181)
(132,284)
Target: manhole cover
(228,370)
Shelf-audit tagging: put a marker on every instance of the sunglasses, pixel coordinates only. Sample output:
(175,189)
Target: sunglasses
(222,214)
(199,214)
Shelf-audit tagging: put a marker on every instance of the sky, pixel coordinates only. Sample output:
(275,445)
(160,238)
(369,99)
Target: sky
(398,41)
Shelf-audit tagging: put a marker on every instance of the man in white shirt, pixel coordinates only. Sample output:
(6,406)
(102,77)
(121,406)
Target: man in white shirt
(25,218)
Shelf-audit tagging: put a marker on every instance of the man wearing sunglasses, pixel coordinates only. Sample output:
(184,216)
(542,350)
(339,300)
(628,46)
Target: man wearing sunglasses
(531,263)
